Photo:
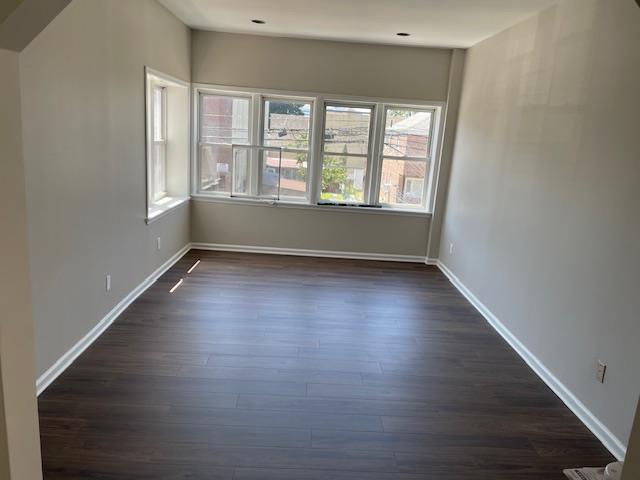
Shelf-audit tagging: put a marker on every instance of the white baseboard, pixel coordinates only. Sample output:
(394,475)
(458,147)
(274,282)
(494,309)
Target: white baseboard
(67,359)
(431,261)
(608,439)
(387,257)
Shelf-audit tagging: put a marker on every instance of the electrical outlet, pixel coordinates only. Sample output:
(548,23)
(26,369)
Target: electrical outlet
(108,283)
(602,369)
(450,248)
(159,243)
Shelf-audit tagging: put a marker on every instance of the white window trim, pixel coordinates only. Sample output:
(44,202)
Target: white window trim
(158,207)
(159,210)
(315,155)
(308,206)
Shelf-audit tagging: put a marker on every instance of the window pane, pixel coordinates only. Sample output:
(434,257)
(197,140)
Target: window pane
(343,178)
(215,168)
(286,124)
(224,119)
(159,170)
(158,113)
(241,162)
(346,129)
(407,132)
(402,182)
(292,171)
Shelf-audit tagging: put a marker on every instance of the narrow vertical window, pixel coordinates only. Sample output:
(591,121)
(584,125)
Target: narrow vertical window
(159,143)
(345,153)
(406,156)
(284,162)
(167,132)
(224,122)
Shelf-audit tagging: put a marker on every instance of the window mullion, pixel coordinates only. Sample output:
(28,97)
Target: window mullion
(315,167)
(376,155)
(196,150)
(255,115)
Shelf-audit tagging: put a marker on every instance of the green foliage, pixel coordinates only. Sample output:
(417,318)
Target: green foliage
(285,108)
(335,183)
(334,174)
(301,142)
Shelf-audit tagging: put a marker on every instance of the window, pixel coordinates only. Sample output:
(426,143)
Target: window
(286,136)
(405,157)
(167,135)
(314,150)
(159,143)
(345,152)
(224,122)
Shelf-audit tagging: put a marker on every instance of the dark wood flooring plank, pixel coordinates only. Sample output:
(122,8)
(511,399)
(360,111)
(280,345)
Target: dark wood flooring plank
(311,458)
(263,418)
(83,468)
(304,474)
(294,363)
(414,443)
(270,374)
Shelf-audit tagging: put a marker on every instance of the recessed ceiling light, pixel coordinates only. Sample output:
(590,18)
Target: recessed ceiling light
(403,34)
(259,22)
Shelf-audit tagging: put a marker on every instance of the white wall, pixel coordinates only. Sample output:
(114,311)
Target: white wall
(317,66)
(308,229)
(19,435)
(543,202)
(448,141)
(320,66)
(84,146)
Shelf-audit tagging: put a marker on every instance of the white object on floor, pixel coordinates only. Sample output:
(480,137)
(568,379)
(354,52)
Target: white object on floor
(585,473)
(613,471)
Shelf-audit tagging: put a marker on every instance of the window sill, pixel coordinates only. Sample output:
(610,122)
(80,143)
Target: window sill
(306,206)
(163,207)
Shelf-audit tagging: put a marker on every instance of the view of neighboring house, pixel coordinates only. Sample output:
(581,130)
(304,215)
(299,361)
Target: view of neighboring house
(407,135)
(224,123)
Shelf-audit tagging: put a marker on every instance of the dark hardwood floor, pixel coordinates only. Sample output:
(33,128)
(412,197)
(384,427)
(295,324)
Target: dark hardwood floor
(267,367)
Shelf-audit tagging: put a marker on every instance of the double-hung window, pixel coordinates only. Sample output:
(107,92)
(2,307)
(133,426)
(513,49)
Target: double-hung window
(286,140)
(345,152)
(167,139)
(224,123)
(405,157)
(158,143)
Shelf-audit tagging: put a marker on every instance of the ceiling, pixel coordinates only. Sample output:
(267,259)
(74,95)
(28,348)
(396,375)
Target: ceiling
(434,23)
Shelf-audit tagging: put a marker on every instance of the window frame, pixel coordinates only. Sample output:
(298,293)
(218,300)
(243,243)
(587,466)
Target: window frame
(428,159)
(156,196)
(316,146)
(198,143)
(261,142)
(177,134)
(370,146)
